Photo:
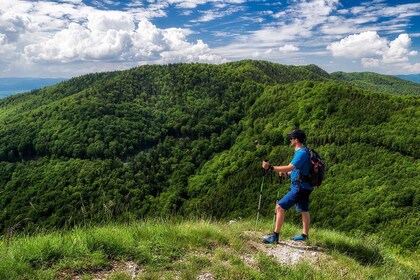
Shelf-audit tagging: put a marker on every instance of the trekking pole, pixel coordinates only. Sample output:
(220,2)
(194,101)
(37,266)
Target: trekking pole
(259,201)
(277,199)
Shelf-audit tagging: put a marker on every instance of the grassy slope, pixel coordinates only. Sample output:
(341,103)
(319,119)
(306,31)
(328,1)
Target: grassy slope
(187,249)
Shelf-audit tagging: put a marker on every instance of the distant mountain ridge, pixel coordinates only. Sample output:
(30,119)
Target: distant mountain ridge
(413,78)
(378,82)
(10,86)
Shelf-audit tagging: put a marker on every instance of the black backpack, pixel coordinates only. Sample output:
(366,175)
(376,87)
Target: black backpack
(316,169)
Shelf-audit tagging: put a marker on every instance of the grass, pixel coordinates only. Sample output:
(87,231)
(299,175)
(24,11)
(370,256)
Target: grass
(188,249)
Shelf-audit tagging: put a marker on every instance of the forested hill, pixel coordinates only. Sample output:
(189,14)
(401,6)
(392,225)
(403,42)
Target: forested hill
(179,139)
(378,82)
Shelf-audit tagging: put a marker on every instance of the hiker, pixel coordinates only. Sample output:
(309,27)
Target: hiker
(300,190)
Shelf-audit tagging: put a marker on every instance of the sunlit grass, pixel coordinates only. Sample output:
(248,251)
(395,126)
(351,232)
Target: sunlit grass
(165,249)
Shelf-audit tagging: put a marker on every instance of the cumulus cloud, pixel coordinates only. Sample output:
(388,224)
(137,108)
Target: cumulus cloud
(398,50)
(67,32)
(193,52)
(12,26)
(110,36)
(79,43)
(374,51)
(288,48)
(7,51)
(101,22)
(359,45)
(371,62)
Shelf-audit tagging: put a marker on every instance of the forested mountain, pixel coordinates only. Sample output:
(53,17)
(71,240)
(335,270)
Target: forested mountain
(179,139)
(378,82)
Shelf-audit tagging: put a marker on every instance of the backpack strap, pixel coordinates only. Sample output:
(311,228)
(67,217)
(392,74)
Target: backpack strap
(305,178)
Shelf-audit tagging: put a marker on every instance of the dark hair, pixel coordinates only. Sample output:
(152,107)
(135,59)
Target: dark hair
(298,134)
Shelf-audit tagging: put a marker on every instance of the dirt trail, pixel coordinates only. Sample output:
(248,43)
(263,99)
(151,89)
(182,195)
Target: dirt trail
(290,252)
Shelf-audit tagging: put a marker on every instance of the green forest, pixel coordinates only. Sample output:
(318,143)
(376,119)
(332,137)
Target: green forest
(178,139)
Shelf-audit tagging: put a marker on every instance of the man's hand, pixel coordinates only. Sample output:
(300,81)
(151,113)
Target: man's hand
(282,174)
(266,165)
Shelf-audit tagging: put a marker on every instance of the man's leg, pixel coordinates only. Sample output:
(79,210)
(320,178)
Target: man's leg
(303,206)
(285,203)
(280,213)
(273,238)
(306,221)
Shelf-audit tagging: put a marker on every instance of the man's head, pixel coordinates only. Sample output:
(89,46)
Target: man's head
(298,135)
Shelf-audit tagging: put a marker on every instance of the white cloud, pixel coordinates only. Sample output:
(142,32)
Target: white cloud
(288,48)
(412,68)
(191,4)
(298,21)
(186,12)
(71,1)
(315,12)
(371,62)
(12,26)
(187,4)
(376,52)
(279,14)
(105,36)
(359,45)
(214,14)
(191,53)
(101,22)
(135,3)
(156,11)
(303,19)
(401,11)
(7,51)
(398,50)
(252,19)
(110,36)
(382,17)
(52,35)
(414,35)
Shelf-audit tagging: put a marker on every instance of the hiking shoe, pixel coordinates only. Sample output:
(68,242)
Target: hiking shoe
(302,237)
(272,238)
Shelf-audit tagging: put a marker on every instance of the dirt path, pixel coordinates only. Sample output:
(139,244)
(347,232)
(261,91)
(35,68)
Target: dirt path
(291,252)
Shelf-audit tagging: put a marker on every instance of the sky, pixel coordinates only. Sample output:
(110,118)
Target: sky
(67,38)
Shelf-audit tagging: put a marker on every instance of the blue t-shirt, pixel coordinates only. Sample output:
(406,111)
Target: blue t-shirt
(301,160)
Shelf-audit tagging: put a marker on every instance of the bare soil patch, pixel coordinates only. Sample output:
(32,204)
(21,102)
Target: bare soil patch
(130,268)
(292,252)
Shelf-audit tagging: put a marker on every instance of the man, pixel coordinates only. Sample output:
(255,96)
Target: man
(299,188)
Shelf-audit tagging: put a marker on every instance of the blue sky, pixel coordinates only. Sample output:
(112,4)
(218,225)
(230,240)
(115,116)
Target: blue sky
(66,38)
